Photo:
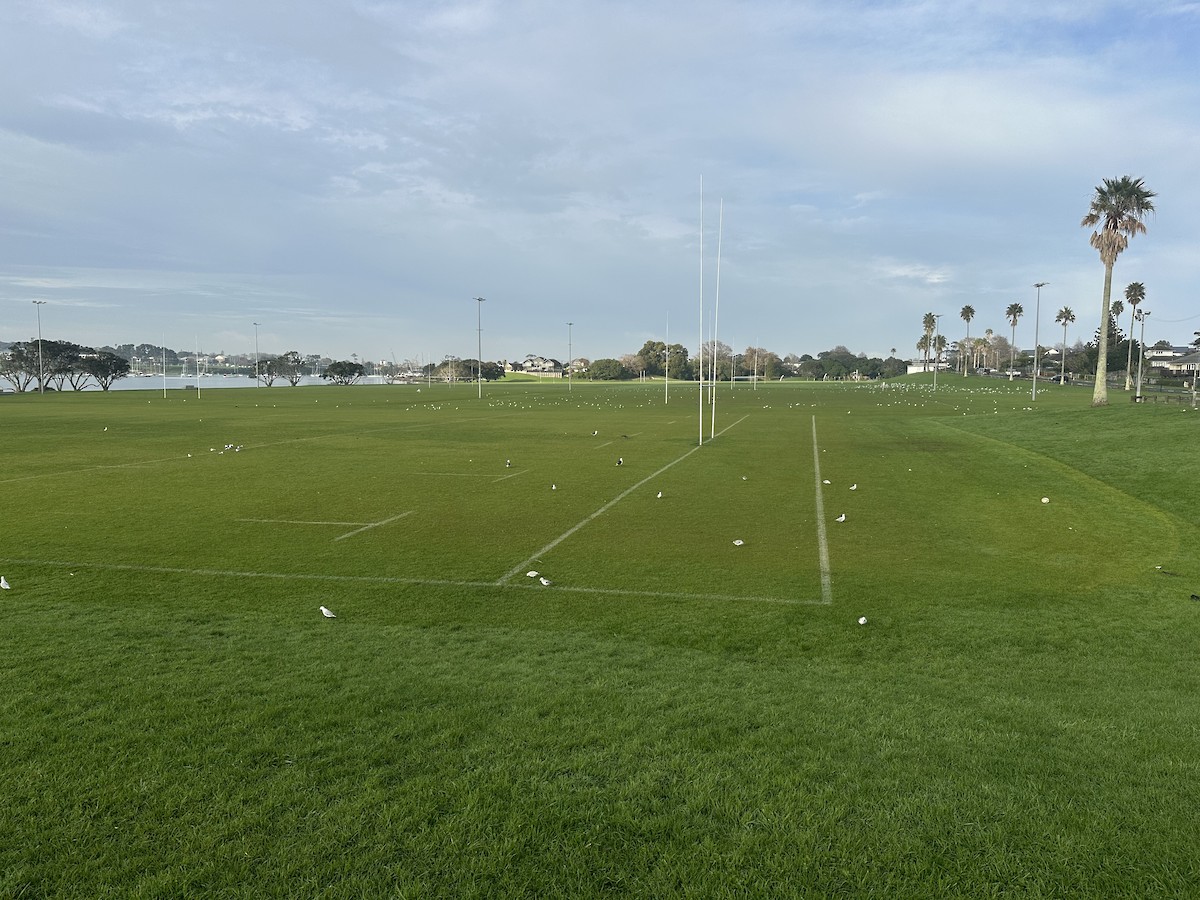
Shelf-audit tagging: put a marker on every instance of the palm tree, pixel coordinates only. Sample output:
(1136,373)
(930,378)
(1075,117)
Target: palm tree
(929,323)
(924,345)
(1118,207)
(1014,312)
(967,313)
(1135,293)
(979,351)
(988,334)
(1066,316)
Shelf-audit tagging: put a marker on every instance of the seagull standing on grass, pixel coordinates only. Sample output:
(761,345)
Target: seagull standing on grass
(841,518)
(546,582)
(620,460)
(327,613)
(4,583)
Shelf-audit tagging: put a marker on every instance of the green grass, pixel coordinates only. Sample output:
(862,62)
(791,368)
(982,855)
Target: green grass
(675,716)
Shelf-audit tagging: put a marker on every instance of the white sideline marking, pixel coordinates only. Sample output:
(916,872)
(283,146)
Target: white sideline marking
(342,537)
(605,444)
(822,543)
(392,579)
(605,508)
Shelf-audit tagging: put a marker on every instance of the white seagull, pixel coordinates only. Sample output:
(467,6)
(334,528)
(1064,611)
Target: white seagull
(660,495)
(554,487)
(841,518)
(532,573)
(854,487)
(4,583)
(738,542)
(620,460)
(508,464)
(327,613)
(546,581)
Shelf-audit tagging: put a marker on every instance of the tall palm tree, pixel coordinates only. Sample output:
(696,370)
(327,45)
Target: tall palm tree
(1135,293)
(967,313)
(1014,312)
(929,323)
(1118,208)
(1065,316)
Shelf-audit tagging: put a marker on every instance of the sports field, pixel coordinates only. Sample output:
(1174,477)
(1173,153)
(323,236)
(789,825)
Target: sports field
(689,708)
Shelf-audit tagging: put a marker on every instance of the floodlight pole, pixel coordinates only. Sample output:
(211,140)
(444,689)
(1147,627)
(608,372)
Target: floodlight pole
(570,350)
(1037,316)
(257,380)
(38,304)
(1141,316)
(937,350)
(479,301)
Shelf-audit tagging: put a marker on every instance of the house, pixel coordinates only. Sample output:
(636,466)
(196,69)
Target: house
(541,366)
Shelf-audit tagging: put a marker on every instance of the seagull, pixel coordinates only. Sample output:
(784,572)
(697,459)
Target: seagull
(825,481)
(508,464)
(854,487)
(660,495)
(841,518)
(532,573)
(594,433)
(327,614)
(738,542)
(4,583)
(546,581)
(743,478)
(620,460)
(554,487)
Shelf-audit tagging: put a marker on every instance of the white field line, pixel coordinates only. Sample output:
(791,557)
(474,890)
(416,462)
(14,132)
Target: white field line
(392,579)
(822,542)
(605,444)
(513,475)
(342,537)
(605,508)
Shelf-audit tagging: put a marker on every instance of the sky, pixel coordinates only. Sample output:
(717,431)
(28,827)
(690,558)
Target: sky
(352,174)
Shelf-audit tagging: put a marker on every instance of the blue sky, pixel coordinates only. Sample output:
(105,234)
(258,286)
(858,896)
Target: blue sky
(351,174)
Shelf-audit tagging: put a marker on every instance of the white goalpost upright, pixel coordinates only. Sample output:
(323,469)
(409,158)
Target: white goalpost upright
(712,390)
(700,351)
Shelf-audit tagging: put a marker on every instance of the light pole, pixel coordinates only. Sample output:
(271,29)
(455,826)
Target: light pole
(570,350)
(937,350)
(41,372)
(1141,317)
(1037,315)
(257,380)
(479,301)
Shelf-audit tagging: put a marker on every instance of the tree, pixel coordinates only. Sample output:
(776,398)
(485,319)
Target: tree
(289,366)
(929,323)
(106,367)
(1065,317)
(343,372)
(1118,208)
(1135,293)
(1014,312)
(924,343)
(19,366)
(608,370)
(967,313)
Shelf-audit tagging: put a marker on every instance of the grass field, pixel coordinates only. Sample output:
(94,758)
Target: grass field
(675,715)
